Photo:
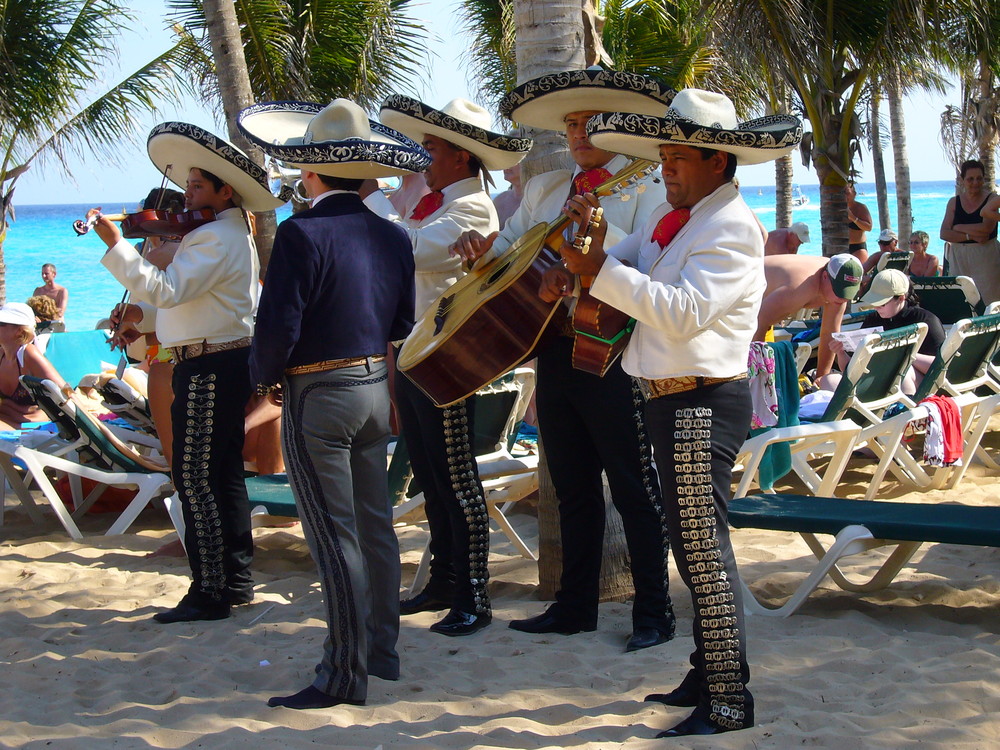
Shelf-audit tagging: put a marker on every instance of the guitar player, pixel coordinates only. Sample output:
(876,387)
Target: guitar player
(590,424)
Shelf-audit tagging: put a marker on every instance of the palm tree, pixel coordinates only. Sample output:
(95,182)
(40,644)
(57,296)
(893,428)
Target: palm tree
(52,53)
(828,52)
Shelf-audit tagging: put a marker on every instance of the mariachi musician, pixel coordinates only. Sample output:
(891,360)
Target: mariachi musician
(590,424)
(462,150)
(201,307)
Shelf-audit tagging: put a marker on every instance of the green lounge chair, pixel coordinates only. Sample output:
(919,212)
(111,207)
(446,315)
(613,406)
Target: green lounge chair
(858,526)
(951,298)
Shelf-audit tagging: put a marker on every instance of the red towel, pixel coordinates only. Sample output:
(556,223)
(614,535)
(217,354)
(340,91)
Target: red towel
(951,428)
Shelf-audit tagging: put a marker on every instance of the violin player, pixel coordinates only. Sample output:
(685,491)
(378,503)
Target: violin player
(201,307)
(588,423)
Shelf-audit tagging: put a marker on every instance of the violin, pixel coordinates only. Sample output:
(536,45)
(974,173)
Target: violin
(151,223)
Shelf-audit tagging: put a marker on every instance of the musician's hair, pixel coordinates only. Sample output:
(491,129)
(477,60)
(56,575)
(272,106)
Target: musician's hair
(730,172)
(475,165)
(164,199)
(339,183)
(218,182)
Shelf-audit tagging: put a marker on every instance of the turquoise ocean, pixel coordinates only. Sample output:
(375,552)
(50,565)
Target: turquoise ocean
(44,234)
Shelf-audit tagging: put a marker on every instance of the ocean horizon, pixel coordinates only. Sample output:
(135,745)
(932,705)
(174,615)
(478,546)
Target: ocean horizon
(43,233)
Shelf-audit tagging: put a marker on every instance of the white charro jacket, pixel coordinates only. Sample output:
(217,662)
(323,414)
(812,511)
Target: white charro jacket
(696,302)
(208,292)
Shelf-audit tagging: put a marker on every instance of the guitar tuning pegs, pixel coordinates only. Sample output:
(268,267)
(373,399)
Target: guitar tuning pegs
(626,197)
(640,189)
(598,215)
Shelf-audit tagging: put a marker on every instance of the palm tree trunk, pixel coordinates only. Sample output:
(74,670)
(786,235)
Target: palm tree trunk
(901,159)
(987,132)
(234,88)
(783,175)
(551,38)
(878,163)
(832,208)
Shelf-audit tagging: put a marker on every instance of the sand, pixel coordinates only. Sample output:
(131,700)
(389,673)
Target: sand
(83,665)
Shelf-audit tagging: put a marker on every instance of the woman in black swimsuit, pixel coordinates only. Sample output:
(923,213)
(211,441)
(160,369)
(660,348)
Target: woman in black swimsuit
(973,250)
(19,356)
(859,223)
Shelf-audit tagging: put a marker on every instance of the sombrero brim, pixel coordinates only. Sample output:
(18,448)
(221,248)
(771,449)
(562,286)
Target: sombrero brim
(177,147)
(753,142)
(545,101)
(278,129)
(415,119)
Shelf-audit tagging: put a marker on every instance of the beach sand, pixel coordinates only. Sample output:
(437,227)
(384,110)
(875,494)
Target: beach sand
(83,665)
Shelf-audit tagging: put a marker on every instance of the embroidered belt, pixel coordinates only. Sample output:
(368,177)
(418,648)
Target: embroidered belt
(333,364)
(190,351)
(666,386)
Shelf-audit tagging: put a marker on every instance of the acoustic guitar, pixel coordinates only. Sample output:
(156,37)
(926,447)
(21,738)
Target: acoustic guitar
(492,319)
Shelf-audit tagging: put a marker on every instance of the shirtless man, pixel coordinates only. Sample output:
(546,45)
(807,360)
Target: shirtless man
(786,241)
(51,289)
(796,282)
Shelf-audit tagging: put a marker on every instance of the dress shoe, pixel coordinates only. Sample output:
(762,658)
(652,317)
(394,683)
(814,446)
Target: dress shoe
(645,638)
(685,695)
(697,725)
(238,598)
(310,697)
(189,611)
(457,622)
(547,622)
(423,602)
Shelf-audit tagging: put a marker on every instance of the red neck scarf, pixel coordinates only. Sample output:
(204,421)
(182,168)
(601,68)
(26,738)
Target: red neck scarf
(587,182)
(670,225)
(427,205)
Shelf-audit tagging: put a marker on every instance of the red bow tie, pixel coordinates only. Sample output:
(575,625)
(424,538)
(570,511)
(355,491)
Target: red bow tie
(427,205)
(670,225)
(587,182)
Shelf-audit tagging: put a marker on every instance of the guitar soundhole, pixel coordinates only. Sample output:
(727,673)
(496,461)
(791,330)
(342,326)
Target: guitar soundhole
(494,277)
(442,313)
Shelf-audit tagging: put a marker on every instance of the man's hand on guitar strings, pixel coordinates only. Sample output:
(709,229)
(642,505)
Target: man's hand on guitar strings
(557,282)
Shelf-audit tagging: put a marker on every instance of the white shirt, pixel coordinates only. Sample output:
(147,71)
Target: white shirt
(695,302)
(208,292)
(466,207)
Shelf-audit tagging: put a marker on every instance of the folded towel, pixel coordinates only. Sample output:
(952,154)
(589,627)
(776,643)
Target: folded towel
(943,441)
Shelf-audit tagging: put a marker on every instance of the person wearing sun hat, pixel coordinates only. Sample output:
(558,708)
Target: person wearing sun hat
(693,278)
(786,240)
(19,356)
(591,424)
(201,307)
(340,286)
(463,149)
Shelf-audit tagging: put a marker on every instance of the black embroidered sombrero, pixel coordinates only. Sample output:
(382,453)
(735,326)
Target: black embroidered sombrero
(177,147)
(543,102)
(696,118)
(461,122)
(337,140)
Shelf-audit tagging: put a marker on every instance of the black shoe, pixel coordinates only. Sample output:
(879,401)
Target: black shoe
(646,638)
(423,602)
(547,622)
(696,725)
(457,622)
(685,695)
(189,611)
(238,598)
(310,698)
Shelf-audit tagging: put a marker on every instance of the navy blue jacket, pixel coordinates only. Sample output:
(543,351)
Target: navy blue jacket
(340,284)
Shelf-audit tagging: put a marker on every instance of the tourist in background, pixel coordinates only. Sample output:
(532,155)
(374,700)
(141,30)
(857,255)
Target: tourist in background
(923,263)
(859,223)
(974,250)
(50,288)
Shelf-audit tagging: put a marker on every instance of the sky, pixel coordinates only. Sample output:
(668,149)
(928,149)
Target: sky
(131,175)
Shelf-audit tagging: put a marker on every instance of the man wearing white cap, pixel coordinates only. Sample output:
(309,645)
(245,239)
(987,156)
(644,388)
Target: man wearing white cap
(463,149)
(693,279)
(786,241)
(339,288)
(805,282)
(591,424)
(201,307)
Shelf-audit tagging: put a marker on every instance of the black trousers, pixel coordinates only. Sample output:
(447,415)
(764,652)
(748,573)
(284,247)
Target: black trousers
(210,394)
(439,442)
(589,425)
(695,437)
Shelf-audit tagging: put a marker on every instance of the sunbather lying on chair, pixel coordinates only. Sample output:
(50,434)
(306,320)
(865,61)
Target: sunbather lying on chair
(19,356)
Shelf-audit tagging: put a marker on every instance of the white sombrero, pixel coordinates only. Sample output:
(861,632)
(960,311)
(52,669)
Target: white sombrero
(460,122)
(337,140)
(177,147)
(543,102)
(698,118)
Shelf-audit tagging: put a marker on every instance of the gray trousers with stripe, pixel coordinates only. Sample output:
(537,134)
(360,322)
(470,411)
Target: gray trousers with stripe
(335,427)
